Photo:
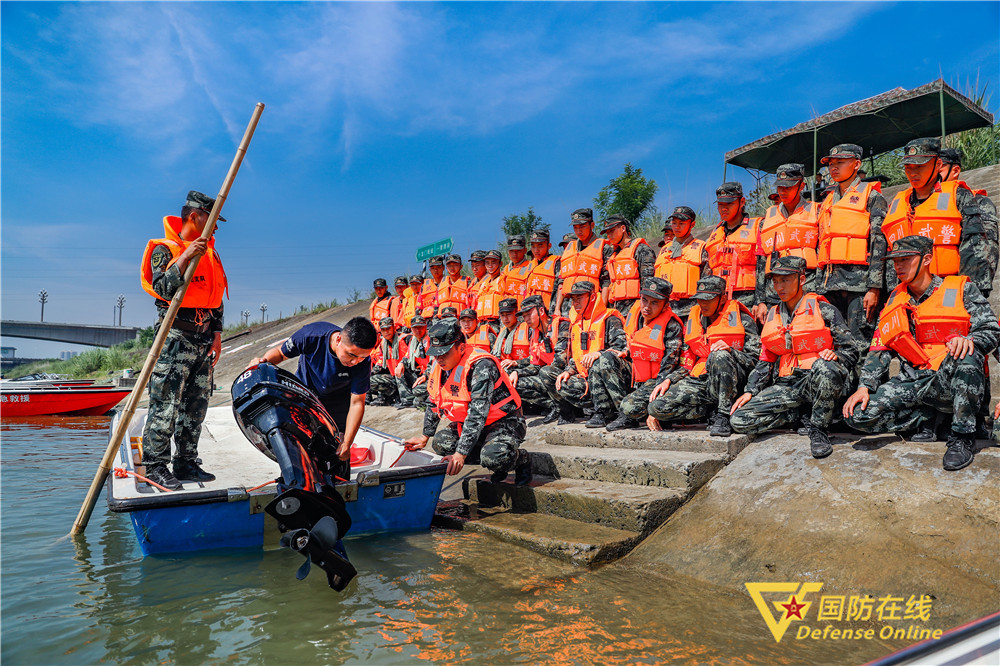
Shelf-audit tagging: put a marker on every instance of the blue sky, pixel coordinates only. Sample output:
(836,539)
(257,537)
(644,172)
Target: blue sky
(389,126)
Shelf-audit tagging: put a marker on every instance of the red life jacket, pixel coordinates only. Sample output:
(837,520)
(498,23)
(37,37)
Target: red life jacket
(808,332)
(582,266)
(415,343)
(451,397)
(209,281)
(646,346)
(537,352)
(391,354)
(935,321)
(844,226)
(727,326)
(937,218)
(624,270)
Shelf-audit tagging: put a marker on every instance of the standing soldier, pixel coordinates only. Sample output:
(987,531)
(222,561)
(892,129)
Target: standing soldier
(387,366)
(397,304)
(722,348)
(585,259)
(940,330)
(631,264)
(851,244)
(477,261)
(413,306)
(806,349)
(454,289)
(512,341)
(655,351)
(683,262)
(732,246)
(596,369)
(490,291)
(544,278)
(429,292)
(548,338)
(480,336)
(515,278)
(380,306)
(179,385)
(945,212)
(486,424)
(951,170)
(789,229)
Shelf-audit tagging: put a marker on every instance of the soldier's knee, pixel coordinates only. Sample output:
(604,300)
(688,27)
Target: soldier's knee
(499,453)
(830,370)
(744,421)
(720,360)
(635,405)
(444,442)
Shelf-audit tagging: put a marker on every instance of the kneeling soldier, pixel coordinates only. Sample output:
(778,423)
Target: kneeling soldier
(722,347)
(486,424)
(655,337)
(941,329)
(387,372)
(806,342)
(547,338)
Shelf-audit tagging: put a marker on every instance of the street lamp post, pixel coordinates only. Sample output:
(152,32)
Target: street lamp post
(263,310)
(43,296)
(246,317)
(121,306)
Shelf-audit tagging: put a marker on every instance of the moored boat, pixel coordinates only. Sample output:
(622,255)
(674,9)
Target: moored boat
(19,399)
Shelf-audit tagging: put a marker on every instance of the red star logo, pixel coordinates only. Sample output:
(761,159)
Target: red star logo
(793,608)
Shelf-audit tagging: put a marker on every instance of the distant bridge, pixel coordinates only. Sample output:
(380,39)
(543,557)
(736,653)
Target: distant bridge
(77,334)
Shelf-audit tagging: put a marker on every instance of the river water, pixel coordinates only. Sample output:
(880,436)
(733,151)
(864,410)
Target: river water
(440,596)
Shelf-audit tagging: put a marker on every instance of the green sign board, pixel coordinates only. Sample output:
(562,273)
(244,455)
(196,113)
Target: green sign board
(434,249)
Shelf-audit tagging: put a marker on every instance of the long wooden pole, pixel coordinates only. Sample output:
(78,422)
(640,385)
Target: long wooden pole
(87,509)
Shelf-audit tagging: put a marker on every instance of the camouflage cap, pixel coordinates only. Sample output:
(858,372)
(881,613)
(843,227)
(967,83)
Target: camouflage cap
(682,213)
(417,320)
(789,174)
(401,281)
(444,335)
(468,313)
(951,156)
(843,151)
(449,312)
(582,288)
(380,282)
(909,246)
(921,151)
(531,302)
(201,202)
(515,242)
(657,288)
(494,254)
(436,261)
(507,305)
(478,255)
(540,236)
(386,322)
(582,215)
(453,259)
(710,287)
(729,192)
(416,278)
(567,239)
(613,221)
(787,266)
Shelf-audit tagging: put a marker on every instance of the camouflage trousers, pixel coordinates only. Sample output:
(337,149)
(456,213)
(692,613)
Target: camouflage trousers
(497,447)
(905,402)
(695,398)
(851,306)
(534,390)
(606,385)
(383,387)
(635,404)
(778,404)
(178,399)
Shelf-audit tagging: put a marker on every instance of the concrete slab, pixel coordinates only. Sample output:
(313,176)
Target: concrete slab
(683,470)
(686,438)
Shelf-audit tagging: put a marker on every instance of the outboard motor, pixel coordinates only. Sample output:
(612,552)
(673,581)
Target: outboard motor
(288,423)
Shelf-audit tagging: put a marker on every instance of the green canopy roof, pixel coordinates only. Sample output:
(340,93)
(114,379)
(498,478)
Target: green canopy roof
(877,124)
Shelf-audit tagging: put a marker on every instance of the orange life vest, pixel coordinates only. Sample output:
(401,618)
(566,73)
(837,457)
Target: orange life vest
(684,271)
(734,256)
(542,279)
(397,306)
(391,354)
(428,296)
(411,305)
(587,335)
(582,266)
(935,321)
(209,282)
(519,339)
(646,346)
(937,218)
(414,343)
(808,334)
(795,236)
(481,338)
(489,297)
(624,270)
(515,280)
(379,309)
(453,293)
(538,353)
(451,397)
(727,326)
(632,319)
(844,226)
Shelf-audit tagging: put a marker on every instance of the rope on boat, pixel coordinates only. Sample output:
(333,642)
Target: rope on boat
(122,473)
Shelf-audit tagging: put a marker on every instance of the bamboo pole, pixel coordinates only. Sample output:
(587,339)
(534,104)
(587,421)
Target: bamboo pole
(83,517)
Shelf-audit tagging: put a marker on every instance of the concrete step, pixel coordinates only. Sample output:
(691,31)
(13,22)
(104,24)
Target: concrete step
(619,506)
(684,438)
(565,539)
(684,470)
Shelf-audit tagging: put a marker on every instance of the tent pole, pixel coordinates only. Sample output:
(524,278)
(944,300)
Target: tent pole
(941,99)
(815,148)
(724,165)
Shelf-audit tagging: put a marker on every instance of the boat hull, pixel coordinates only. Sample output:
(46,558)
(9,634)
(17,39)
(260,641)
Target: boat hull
(65,401)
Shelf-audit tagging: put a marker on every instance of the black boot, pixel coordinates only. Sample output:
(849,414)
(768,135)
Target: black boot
(566,414)
(403,404)
(622,423)
(159,474)
(959,453)
(522,468)
(189,470)
(819,442)
(597,420)
(551,417)
(720,425)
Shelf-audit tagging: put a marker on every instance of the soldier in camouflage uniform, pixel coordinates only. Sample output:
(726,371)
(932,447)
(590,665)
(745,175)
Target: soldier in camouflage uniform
(582,220)
(503,345)
(852,288)
(816,374)
(657,325)
(526,375)
(412,385)
(561,306)
(486,424)
(718,383)
(180,383)
(387,385)
(951,169)
(617,230)
(599,373)
(918,390)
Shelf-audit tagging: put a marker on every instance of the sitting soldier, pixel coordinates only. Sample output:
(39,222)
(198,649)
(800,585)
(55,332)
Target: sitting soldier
(479,335)
(387,370)
(547,338)
(722,347)
(806,349)
(512,340)
(941,330)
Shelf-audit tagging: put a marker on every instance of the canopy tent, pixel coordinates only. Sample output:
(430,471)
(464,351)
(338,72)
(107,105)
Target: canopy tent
(877,124)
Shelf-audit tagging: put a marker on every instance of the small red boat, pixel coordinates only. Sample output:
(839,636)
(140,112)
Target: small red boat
(84,400)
